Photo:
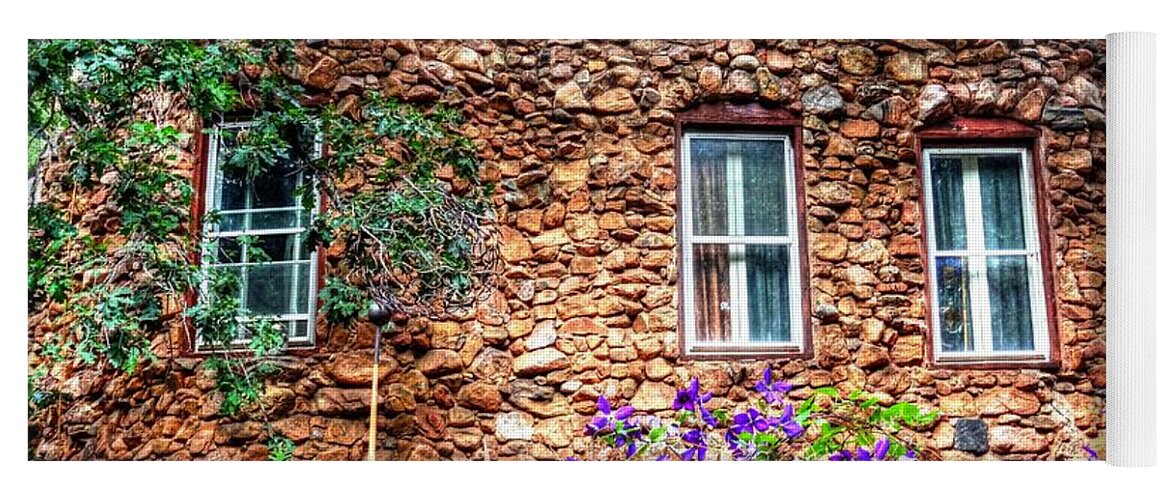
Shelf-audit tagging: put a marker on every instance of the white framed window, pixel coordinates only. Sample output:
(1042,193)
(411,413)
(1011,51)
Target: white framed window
(281,282)
(741,262)
(988,297)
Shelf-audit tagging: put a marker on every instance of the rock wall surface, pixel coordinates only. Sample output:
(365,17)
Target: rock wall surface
(580,137)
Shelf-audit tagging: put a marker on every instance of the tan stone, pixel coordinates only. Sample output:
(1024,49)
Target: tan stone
(1010,439)
(1078,160)
(514,248)
(556,432)
(907,67)
(864,129)
(439,362)
(356,369)
(653,396)
(908,350)
(1000,400)
(831,247)
(570,98)
(480,396)
(616,100)
(539,361)
(570,176)
(857,60)
(959,404)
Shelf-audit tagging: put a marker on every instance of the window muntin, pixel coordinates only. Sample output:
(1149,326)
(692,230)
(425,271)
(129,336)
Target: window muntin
(740,271)
(266,210)
(988,298)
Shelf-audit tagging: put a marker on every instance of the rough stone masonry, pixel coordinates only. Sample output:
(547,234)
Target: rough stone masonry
(579,136)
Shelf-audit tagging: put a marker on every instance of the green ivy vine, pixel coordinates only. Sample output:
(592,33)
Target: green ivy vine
(406,210)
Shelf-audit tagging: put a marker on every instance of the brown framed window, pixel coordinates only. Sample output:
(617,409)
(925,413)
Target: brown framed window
(257,228)
(742,268)
(989,294)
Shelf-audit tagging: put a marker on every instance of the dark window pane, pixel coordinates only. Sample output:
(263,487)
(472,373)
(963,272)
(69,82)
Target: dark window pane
(297,329)
(947,192)
(276,187)
(713,320)
(278,219)
(768,293)
(278,289)
(709,188)
(1000,192)
(954,296)
(274,248)
(1008,298)
(764,187)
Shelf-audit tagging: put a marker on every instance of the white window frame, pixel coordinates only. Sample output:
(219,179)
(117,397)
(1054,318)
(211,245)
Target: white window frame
(211,231)
(740,345)
(977,264)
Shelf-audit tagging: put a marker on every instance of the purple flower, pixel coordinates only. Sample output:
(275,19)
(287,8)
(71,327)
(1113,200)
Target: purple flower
(689,398)
(789,425)
(841,456)
(773,392)
(881,448)
(698,448)
(1091,454)
(751,421)
(607,418)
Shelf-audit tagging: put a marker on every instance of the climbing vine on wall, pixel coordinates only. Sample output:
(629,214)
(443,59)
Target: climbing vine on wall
(407,216)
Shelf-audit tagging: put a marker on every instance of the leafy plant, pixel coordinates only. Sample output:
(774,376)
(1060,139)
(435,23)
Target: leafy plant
(341,302)
(280,448)
(106,128)
(824,426)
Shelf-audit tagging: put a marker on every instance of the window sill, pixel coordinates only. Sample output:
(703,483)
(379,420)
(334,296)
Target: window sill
(717,353)
(996,363)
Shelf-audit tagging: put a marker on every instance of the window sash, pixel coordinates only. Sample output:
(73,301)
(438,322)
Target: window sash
(211,231)
(977,258)
(740,342)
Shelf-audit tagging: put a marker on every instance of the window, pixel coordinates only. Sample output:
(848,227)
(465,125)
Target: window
(265,213)
(741,267)
(988,298)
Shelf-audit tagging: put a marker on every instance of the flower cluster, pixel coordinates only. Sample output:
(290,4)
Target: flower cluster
(768,428)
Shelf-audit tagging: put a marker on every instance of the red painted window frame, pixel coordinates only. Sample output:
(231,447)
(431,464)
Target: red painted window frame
(757,118)
(993,132)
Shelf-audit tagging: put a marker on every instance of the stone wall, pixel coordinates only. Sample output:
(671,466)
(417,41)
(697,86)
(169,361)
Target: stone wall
(579,136)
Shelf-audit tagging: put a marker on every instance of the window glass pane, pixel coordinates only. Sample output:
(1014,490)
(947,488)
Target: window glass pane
(275,248)
(947,192)
(713,320)
(278,289)
(232,192)
(746,172)
(297,329)
(764,190)
(276,219)
(1008,298)
(709,187)
(953,293)
(276,187)
(1000,192)
(768,293)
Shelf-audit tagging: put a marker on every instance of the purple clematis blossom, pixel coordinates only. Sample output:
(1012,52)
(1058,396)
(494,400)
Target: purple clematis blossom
(773,392)
(788,424)
(607,418)
(878,454)
(698,448)
(690,398)
(1091,453)
(751,421)
(841,456)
